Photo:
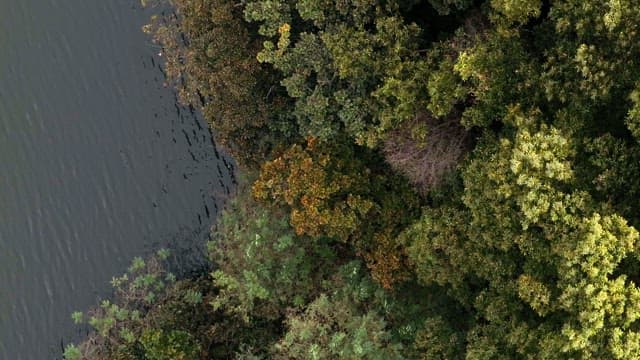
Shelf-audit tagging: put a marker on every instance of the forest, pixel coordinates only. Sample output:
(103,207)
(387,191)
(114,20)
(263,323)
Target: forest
(418,179)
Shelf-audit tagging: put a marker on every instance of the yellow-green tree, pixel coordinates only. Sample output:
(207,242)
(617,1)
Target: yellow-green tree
(538,261)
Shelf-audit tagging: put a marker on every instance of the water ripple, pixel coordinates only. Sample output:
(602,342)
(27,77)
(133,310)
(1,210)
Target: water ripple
(94,171)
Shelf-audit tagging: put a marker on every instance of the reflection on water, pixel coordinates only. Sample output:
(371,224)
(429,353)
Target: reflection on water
(98,164)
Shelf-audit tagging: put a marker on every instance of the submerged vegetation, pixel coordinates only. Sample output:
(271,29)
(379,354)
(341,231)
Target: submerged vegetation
(424,179)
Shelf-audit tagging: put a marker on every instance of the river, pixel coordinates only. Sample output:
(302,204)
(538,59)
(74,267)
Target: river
(99,164)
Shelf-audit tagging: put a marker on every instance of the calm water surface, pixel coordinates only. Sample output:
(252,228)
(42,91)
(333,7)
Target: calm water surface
(99,164)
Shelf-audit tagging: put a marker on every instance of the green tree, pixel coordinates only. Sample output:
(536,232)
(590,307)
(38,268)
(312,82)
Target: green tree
(344,324)
(172,345)
(519,122)
(342,62)
(446,7)
(263,267)
(536,260)
(176,322)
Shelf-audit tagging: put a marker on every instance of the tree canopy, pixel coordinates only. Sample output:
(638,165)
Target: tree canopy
(426,179)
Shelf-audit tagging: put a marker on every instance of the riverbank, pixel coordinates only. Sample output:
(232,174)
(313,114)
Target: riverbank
(423,180)
(98,165)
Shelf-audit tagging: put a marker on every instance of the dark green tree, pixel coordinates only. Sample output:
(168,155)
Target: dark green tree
(344,323)
(351,67)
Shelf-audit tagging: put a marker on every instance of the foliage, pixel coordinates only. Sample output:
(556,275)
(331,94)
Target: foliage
(518,124)
(328,330)
(155,317)
(171,345)
(117,325)
(517,11)
(439,340)
(633,116)
(445,7)
(499,73)
(349,66)
(340,325)
(71,352)
(333,206)
(611,170)
(210,55)
(263,267)
(332,192)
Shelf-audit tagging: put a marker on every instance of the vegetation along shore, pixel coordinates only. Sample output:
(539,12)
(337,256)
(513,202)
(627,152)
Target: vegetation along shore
(421,179)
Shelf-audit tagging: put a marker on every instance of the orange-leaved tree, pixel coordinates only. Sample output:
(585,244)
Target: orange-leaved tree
(345,192)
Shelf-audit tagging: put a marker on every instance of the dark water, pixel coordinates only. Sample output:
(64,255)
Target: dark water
(98,164)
